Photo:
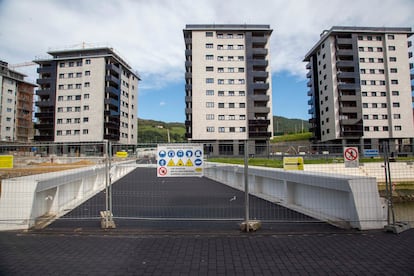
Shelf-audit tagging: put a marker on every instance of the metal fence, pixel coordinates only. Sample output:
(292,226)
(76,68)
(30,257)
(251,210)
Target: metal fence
(91,182)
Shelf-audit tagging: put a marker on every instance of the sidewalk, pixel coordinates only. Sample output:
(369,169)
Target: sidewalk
(177,253)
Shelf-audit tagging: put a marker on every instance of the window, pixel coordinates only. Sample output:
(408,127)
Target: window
(69,98)
(374,105)
(381,71)
(395,104)
(383,94)
(68,121)
(209,92)
(397,128)
(369,37)
(210,129)
(61,76)
(209,34)
(372,82)
(209,57)
(240,35)
(87,84)
(240,58)
(220,70)
(370,49)
(60,109)
(68,132)
(362,60)
(372,71)
(231,93)
(77,120)
(384,116)
(393,70)
(221,105)
(380,60)
(221,93)
(241,70)
(232,117)
(78,97)
(242,105)
(209,116)
(365,105)
(220,58)
(231,81)
(209,104)
(220,47)
(366,128)
(391,48)
(395,93)
(69,109)
(230,47)
(220,81)
(394,81)
(85,119)
(362,71)
(242,129)
(242,117)
(209,80)
(88,61)
(361,49)
(385,128)
(240,47)
(364,94)
(379,49)
(71,64)
(384,105)
(231,69)
(396,116)
(379,38)
(86,96)
(78,86)
(209,45)
(221,129)
(87,73)
(375,117)
(77,132)
(59,133)
(232,129)
(77,108)
(210,69)
(221,117)
(231,105)
(360,37)
(363,82)
(86,107)
(78,74)
(366,117)
(373,94)
(242,93)
(390,36)
(393,59)
(376,128)
(371,60)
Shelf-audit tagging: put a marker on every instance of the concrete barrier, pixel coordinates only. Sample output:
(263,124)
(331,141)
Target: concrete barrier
(37,200)
(342,200)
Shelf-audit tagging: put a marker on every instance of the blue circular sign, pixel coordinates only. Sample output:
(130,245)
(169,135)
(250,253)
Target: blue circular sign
(189,153)
(198,153)
(171,153)
(180,153)
(162,153)
(162,162)
(198,162)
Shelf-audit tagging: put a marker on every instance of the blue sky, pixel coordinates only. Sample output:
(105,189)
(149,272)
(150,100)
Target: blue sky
(148,35)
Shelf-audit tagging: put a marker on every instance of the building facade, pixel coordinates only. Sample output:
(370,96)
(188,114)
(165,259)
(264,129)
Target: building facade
(16,106)
(360,87)
(228,87)
(86,95)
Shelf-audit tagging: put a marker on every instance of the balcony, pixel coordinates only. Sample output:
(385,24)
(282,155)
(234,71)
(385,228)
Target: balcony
(260,62)
(345,63)
(45,103)
(349,109)
(260,51)
(348,98)
(44,81)
(345,52)
(355,121)
(188,75)
(111,125)
(188,63)
(342,41)
(112,103)
(262,98)
(348,86)
(188,40)
(44,138)
(188,87)
(309,83)
(111,112)
(344,74)
(260,86)
(188,52)
(309,75)
(310,102)
(310,93)
(43,115)
(260,134)
(42,70)
(311,111)
(188,99)
(352,133)
(188,123)
(261,109)
(308,65)
(258,123)
(259,40)
(44,126)
(112,90)
(43,92)
(188,110)
(114,68)
(111,136)
(112,78)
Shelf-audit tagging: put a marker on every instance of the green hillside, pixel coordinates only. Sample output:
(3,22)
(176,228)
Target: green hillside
(150,131)
(282,125)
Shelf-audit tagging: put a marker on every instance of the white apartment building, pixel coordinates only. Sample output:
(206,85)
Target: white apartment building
(86,95)
(360,87)
(228,87)
(16,106)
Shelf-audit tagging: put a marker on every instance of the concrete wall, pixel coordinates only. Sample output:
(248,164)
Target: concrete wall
(25,201)
(342,200)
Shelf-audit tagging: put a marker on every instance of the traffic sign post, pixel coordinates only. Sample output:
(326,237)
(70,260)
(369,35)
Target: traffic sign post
(351,157)
(180,160)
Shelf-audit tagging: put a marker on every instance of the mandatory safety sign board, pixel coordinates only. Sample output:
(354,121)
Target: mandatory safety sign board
(179,160)
(351,157)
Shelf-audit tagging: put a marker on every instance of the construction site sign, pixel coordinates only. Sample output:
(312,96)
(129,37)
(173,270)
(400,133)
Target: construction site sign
(6,161)
(180,160)
(293,163)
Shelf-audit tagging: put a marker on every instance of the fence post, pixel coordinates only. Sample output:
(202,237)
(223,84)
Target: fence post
(246,185)
(106,216)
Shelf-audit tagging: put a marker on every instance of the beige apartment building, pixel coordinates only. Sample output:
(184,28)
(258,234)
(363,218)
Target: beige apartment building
(360,87)
(16,106)
(228,87)
(86,95)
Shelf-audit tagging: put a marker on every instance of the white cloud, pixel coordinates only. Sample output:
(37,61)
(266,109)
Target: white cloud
(149,33)
(162,103)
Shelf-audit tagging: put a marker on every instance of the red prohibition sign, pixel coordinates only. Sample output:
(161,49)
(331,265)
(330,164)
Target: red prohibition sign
(162,171)
(351,154)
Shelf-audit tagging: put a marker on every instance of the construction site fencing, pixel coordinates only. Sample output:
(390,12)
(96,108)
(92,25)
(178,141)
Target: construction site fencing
(88,178)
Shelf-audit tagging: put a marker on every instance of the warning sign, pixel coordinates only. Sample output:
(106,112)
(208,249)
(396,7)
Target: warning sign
(351,157)
(179,160)
(293,163)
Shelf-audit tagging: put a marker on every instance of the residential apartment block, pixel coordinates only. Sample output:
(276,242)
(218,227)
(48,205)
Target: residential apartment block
(228,87)
(86,95)
(360,87)
(16,105)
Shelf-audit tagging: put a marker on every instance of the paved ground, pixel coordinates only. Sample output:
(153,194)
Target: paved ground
(156,236)
(106,253)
